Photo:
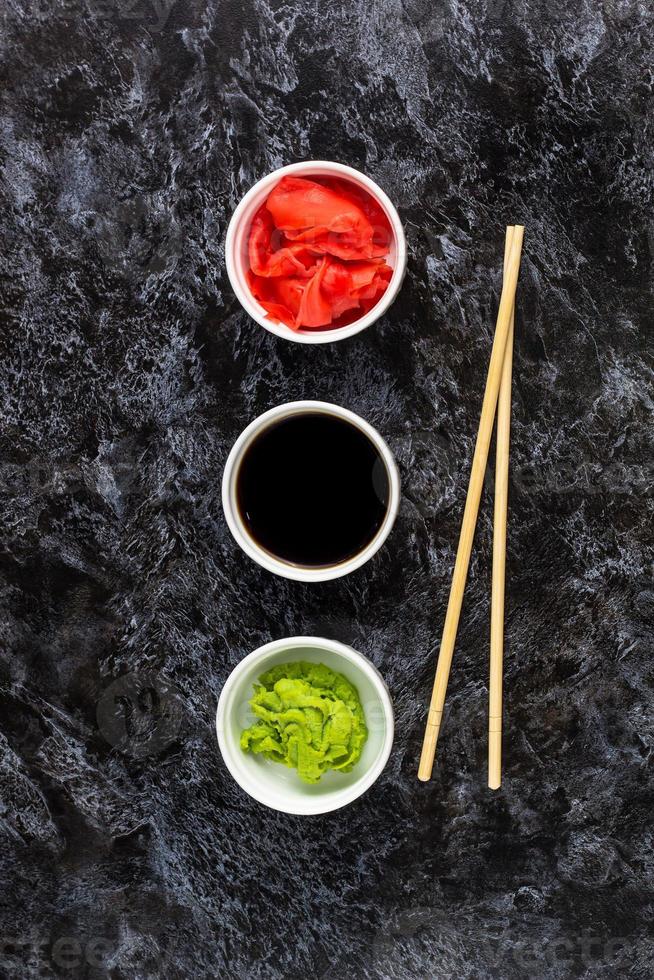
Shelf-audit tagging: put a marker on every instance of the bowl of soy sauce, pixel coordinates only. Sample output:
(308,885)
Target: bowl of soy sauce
(310,491)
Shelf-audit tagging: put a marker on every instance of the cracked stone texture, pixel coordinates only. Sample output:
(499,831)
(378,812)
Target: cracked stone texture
(128,133)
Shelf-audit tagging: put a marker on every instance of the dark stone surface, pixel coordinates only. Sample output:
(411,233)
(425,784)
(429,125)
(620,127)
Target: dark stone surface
(128,134)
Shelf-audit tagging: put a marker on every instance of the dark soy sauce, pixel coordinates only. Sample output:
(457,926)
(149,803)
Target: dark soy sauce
(312,489)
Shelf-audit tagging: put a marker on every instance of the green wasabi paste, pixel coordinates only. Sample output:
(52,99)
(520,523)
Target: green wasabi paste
(310,719)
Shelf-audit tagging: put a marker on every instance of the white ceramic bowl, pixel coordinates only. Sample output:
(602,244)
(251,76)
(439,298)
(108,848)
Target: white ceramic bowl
(275,785)
(302,573)
(236,251)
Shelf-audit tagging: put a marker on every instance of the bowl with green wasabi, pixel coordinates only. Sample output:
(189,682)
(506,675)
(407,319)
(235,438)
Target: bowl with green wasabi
(305,724)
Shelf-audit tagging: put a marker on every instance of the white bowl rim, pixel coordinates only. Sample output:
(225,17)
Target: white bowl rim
(248,302)
(299,573)
(312,806)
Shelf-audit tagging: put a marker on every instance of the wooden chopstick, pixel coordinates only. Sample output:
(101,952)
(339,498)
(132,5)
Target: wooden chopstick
(502,440)
(477,471)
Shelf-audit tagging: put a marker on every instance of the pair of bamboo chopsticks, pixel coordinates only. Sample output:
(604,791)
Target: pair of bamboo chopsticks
(497,396)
